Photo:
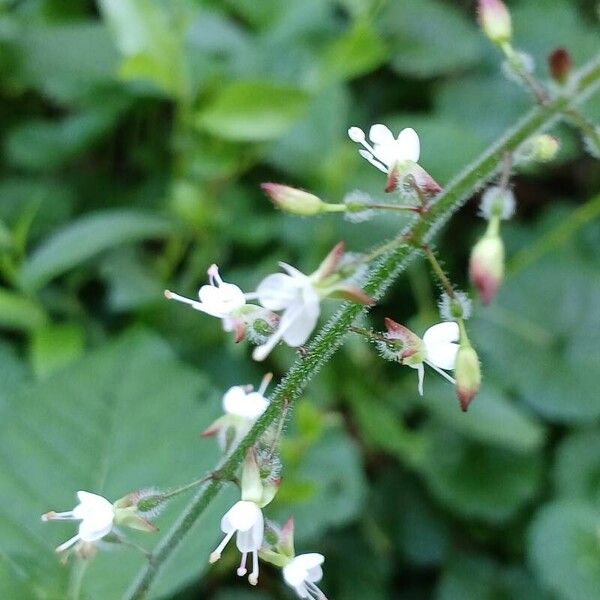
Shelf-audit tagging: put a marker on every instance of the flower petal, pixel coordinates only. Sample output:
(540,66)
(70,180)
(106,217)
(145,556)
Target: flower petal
(409,147)
(233,400)
(241,517)
(251,539)
(277,291)
(356,134)
(368,156)
(221,300)
(381,134)
(299,321)
(439,344)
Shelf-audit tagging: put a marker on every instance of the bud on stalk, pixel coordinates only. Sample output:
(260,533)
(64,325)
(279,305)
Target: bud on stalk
(486,265)
(298,202)
(560,65)
(495,21)
(467,374)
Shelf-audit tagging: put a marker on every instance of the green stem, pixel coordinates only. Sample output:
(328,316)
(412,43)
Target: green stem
(530,81)
(383,275)
(370,335)
(437,269)
(587,127)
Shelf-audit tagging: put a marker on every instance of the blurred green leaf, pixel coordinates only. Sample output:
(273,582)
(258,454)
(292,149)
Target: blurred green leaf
(150,37)
(429,38)
(326,488)
(560,342)
(519,431)
(564,549)
(356,52)
(252,111)
(67,61)
(87,237)
(477,481)
(20,312)
(12,373)
(577,468)
(471,577)
(55,346)
(96,430)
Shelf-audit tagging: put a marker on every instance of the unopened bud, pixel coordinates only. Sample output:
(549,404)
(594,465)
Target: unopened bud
(494,19)
(486,266)
(559,63)
(544,148)
(467,374)
(298,202)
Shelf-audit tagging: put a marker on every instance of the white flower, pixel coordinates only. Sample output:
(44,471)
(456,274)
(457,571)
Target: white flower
(302,573)
(249,405)
(440,350)
(218,299)
(96,514)
(246,519)
(386,150)
(295,294)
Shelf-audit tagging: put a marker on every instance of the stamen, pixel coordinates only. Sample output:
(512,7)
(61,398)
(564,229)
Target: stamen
(216,555)
(253,577)
(54,516)
(264,384)
(67,544)
(169,295)
(213,276)
(242,568)
(442,373)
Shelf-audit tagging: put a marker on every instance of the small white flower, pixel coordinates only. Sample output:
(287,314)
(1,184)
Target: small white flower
(295,294)
(440,350)
(246,519)
(386,150)
(218,299)
(238,402)
(96,514)
(302,573)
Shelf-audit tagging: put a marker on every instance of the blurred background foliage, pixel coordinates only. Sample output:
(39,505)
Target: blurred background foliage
(134,136)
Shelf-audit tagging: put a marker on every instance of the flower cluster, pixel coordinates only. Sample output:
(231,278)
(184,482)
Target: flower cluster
(295,295)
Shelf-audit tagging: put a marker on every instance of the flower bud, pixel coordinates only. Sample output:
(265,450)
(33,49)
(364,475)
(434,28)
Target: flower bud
(559,63)
(467,374)
(486,266)
(494,19)
(298,202)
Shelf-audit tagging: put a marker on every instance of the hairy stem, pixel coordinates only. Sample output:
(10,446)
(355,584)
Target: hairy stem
(385,271)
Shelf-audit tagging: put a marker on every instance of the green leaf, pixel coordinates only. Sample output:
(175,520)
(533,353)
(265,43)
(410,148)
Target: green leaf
(253,111)
(518,430)
(12,374)
(326,488)
(577,468)
(429,38)
(87,237)
(95,426)
(564,549)
(55,346)
(471,577)
(67,61)
(150,38)
(19,312)
(478,481)
(559,342)
(358,51)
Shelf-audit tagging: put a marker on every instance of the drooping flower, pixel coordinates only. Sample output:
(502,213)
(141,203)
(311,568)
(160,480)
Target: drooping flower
(95,513)
(299,296)
(245,519)
(437,348)
(295,294)
(242,407)
(386,150)
(302,573)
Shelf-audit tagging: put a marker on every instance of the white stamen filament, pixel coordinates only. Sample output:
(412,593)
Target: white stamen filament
(213,276)
(216,555)
(61,516)
(67,544)
(264,384)
(261,352)
(253,577)
(169,295)
(242,568)
(441,372)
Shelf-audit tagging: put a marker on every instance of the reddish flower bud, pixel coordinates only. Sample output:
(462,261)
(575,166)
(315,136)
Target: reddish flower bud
(486,266)
(560,65)
(467,373)
(495,21)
